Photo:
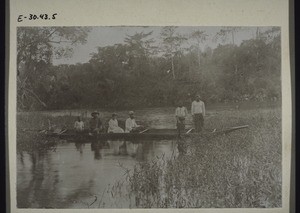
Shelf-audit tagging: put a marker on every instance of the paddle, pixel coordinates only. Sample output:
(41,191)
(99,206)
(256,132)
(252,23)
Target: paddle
(145,130)
(231,129)
(189,130)
(236,128)
(63,131)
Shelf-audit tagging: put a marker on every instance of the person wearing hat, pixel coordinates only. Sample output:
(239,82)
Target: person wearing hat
(130,124)
(113,126)
(198,113)
(95,123)
(180,114)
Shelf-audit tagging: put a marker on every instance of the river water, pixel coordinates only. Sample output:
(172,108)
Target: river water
(75,174)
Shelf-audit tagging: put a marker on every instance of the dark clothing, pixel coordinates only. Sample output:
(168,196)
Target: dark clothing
(199,122)
(95,124)
(180,125)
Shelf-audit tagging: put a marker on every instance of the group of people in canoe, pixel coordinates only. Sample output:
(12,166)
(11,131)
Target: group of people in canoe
(96,125)
(181,113)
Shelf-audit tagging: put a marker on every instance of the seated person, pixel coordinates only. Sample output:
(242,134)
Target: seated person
(95,123)
(131,125)
(113,126)
(79,125)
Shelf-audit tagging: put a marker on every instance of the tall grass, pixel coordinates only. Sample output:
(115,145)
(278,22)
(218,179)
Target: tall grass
(242,169)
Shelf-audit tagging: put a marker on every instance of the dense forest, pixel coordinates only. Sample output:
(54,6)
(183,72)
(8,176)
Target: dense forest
(146,72)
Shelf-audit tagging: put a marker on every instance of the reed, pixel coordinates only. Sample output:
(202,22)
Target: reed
(242,169)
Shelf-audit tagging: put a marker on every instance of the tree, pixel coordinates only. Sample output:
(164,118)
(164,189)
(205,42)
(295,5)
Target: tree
(111,69)
(271,34)
(225,32)
(140,49)
(171,44)
(36,46)
(199,37)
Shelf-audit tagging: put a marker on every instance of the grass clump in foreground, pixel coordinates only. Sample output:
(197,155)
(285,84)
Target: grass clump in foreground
(239,170)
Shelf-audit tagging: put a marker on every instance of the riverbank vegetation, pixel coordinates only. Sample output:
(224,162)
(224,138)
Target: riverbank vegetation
(239,170)
(146,70)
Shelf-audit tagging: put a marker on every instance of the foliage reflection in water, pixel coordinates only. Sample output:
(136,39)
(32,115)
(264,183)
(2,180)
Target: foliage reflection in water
(73,175)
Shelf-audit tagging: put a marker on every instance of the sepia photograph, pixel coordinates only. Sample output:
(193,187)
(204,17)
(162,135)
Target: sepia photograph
(149,117)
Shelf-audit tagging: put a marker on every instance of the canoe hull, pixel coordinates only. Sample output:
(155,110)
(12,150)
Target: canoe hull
(154,134)
(159,134)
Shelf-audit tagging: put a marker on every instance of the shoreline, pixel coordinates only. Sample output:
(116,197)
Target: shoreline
(234,105)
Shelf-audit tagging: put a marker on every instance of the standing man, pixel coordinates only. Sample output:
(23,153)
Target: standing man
(180,114)
(198,113)
(95,123)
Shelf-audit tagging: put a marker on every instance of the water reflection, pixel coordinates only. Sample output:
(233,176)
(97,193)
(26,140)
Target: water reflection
(79,147)
(132,148)
(77,171)
(115,146)
(38,189)
(95,147)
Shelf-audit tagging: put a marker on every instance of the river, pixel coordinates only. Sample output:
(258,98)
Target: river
(74,174)
(82,175)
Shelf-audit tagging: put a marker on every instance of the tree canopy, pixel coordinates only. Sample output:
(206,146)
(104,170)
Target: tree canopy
(143,72)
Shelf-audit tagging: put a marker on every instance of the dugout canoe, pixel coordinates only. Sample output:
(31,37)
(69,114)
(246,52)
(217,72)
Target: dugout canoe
(159,134)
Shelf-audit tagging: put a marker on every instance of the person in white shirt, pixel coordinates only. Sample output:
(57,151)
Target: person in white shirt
(180,114)
(79,125)
(198,113)
(113,126)
(130,124)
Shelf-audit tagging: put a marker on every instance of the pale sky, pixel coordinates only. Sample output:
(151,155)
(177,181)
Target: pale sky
(104,36)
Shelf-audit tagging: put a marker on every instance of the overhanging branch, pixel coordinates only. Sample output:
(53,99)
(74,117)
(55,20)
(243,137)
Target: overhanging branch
(35,96)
